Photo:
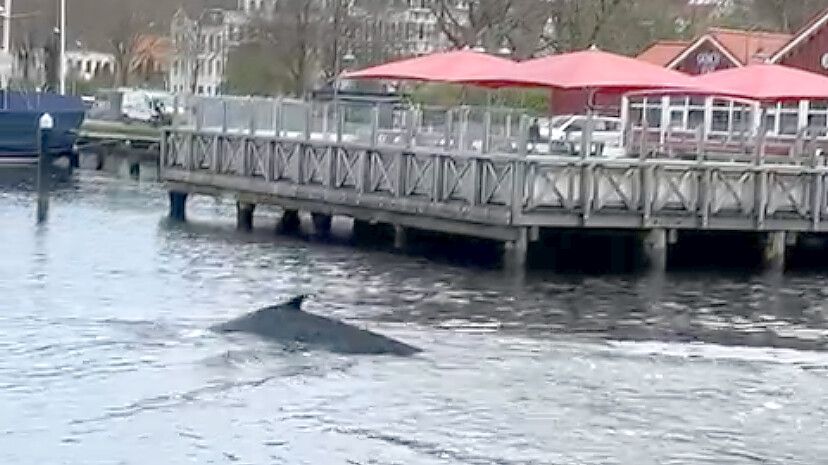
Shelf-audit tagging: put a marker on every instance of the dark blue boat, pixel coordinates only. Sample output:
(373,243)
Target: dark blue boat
(19,116)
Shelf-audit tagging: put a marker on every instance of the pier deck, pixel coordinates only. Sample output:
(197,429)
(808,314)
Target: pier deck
(507,197)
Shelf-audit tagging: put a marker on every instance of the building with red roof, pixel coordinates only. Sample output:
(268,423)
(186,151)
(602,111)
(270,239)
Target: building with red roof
(720,48)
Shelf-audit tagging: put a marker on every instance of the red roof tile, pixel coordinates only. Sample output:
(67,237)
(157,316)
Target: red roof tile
(663,52)
(750,46)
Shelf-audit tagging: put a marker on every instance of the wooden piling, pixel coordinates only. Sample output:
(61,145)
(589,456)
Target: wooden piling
(400,237)
(773,254)
(655,250)
(178,206)
(244,216)
(321,224)
(515,251)
(290,222)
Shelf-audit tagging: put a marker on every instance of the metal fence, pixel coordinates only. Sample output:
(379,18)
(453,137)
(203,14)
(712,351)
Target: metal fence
(473,129)
(467,129)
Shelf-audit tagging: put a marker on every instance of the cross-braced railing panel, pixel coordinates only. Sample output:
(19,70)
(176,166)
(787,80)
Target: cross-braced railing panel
(383,171)
(554,186)
(203,147)
(789,194)
(675,189)
(615,187)
(496,181)
(315,164)
(458,178)
(286,155)
(176,147)
(259,158)
(347,168)
(731,191)
(420,175)
(232,155)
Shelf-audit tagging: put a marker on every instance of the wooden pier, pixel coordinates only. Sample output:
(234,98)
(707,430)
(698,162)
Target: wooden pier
(509,197)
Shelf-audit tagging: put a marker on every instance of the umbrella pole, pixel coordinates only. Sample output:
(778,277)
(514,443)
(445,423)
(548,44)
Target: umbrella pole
(586,134)
(759,150)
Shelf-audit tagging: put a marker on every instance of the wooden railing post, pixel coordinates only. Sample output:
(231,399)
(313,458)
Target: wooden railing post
(308,121)
(519,189)
(364,173)
(477,180)
(523,135)
(375,114)
(341,119)
(449,130)
(326,108)
(402,172)
(411,128)
(760,174)
(278,117)
(199,115)
(485,145)
(251,107)
(437,181)
(817,186)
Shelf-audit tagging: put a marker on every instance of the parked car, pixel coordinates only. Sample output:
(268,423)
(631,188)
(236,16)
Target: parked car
(569,129)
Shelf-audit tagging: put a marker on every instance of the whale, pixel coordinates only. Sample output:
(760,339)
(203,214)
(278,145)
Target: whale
(288,324)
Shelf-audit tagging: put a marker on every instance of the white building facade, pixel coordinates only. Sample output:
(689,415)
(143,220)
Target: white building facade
(89,65)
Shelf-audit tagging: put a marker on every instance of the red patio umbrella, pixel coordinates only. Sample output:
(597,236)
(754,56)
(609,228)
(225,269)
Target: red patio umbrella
(437,67)
(765,83)
(592,69)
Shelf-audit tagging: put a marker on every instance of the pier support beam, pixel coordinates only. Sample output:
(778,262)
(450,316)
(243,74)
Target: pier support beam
(515,252)
(244,216)
(655,250)
(178,206)
(400,237)
(773,255)
(289,223)
(321,224)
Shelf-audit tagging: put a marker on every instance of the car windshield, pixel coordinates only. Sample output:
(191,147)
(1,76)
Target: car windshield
(558,121)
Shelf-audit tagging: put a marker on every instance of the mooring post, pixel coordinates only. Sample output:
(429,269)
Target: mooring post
(178,206)
(773,256)
(45,126)
(244,216)
(655,249)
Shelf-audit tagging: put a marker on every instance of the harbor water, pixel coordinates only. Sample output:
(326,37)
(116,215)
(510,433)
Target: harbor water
(107,357)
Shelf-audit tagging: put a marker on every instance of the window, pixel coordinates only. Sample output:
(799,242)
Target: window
(576,126)
(649,108)
(612,125)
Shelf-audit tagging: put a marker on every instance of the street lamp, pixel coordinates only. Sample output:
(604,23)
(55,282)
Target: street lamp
(62,47)
(6,11)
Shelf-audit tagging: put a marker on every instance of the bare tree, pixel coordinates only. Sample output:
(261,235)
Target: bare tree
(780,15)
(292,37)
(122,40)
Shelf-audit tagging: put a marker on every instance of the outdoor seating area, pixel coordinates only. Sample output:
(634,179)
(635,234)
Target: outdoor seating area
(770,111)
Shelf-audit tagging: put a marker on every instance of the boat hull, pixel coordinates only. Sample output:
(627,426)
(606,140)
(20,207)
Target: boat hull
(19,119)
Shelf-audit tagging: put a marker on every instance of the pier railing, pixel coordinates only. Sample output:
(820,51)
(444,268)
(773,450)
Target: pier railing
(501,190)
(467,128)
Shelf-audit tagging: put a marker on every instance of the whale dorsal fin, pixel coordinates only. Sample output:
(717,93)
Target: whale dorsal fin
(296,302)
